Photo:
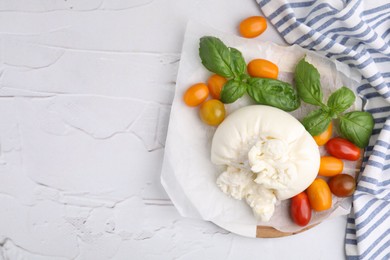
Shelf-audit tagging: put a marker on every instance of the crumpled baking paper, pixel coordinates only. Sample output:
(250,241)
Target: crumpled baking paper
(188,175)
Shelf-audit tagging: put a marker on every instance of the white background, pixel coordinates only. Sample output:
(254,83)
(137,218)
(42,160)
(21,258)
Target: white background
(85,94)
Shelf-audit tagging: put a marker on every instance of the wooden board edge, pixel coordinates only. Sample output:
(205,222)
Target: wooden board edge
(270,232)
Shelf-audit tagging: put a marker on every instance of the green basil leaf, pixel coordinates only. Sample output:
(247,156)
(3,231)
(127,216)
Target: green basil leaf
(233,90)
(316,121)
(341,99)
(237,62)
(215,56)
(274,93)
(307,79)
(357,127)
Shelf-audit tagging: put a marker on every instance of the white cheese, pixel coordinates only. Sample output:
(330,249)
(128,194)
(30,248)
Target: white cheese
(234,182)
(262,201)
(271,146)
(270,160)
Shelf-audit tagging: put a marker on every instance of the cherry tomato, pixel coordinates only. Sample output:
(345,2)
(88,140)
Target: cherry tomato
(215,84)
(261,68)
(196,94)
(252,26)
(212,112)
(330,166)
(342,185)
(343,149)
(300,209)
(324,137)
(319,195)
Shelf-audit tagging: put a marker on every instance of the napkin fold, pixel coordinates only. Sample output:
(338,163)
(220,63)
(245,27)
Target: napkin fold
(357,33)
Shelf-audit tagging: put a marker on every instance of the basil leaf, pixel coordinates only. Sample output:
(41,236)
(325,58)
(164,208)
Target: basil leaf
(237,62)
(274,93)
(316,121)
(307,79)
(215,56)
(341,99)
(357,127)
(233,90)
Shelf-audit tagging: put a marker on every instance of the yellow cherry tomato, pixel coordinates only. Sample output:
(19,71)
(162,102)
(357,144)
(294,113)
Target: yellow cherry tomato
(215,84)
(212,112)
(261,68)
(252,26)
(330,166)
(324,137)
(196,94)
(319,194)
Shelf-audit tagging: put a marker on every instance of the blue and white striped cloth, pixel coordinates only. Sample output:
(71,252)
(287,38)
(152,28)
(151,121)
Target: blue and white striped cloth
(357,33)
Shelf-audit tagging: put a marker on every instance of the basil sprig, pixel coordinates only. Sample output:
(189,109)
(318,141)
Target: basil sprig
(317,121)
(307,80)
(355,126)
(274,93)
(341,100)
(215,56)
(237,62)
(229,63)
(233,90)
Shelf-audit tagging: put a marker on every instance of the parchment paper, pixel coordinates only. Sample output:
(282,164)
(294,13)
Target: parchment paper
(188,175)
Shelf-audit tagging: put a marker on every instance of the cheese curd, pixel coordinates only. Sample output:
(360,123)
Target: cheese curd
(235,182)
(269,157)
(262,201)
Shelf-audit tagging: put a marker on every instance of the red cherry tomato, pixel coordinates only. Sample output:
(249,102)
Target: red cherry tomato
(300,209)
(343,149)
(342,185)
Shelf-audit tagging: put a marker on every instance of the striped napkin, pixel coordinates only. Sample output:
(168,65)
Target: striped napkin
(357,33)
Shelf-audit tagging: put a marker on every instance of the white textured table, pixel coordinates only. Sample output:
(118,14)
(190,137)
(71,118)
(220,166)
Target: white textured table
(85,93)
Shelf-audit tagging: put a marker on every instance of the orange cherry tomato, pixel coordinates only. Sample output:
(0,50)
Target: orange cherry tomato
(196,94)
(261,68)
(319,195)
(212,112)
(252,26)
(342,185)
(215,84)
(324,137)
(330,166)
